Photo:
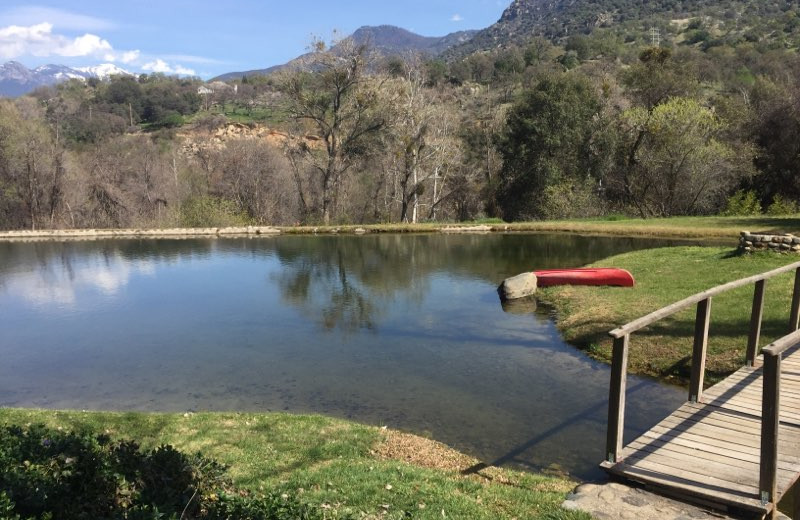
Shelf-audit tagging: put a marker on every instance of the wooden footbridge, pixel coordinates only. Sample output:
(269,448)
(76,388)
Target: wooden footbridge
(734,446)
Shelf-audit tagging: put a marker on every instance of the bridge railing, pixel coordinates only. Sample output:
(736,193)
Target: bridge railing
(772,365)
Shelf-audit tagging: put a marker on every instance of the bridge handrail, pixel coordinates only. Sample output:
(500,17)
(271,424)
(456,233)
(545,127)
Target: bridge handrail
(669,310)
(782,345)
(772,365)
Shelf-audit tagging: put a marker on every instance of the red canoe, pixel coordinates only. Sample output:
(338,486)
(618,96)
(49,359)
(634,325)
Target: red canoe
(604,276)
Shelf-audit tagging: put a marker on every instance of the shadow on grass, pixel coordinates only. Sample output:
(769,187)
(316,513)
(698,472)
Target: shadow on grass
(675,338)
(769,223)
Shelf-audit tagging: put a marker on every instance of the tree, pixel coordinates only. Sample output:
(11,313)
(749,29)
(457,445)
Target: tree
(776,132)
(547,140)
(410,137)
(341,104)
(657,77)
(254,175)
(31,167)
(676,163)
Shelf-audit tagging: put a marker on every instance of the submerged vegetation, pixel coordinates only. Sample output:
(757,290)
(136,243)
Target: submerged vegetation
(323,468)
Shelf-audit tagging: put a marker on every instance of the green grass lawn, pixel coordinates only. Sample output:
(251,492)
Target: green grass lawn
(664,276)
(344,468)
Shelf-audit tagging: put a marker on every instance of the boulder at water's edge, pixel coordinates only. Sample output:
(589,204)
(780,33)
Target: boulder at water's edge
(518,287)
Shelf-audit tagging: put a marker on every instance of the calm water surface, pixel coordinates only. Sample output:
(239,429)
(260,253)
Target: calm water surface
(404,331)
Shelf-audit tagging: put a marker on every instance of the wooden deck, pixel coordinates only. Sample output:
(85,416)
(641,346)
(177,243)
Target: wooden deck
(735,445)
(712,450)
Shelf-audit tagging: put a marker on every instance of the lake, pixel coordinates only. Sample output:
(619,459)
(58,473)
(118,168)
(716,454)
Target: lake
(405,331)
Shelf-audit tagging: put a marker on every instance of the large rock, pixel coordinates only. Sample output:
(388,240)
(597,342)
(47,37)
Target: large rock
(518,287)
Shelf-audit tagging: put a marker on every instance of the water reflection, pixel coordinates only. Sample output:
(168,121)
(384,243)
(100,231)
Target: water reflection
(37,276)
(405,331)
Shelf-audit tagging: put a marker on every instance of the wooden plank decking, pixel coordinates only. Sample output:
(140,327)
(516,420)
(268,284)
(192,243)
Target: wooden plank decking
(712,450)
(735,445)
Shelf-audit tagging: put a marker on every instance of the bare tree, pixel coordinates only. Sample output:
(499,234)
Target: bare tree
(341,104)
(254,175)
(31,166)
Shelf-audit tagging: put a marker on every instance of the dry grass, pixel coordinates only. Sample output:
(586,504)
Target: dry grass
(678,227)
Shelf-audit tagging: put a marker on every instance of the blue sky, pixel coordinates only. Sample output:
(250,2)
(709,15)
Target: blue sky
(207,38)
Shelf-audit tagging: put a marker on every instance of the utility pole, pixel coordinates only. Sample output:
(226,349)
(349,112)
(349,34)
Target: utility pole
(130,113)
(655,36)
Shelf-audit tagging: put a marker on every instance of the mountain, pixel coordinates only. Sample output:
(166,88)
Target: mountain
(16,79)
(103,71)
(558,19)
(387,40)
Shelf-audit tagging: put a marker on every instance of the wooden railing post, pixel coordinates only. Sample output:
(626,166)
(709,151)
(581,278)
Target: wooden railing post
(794,319)
(756,318)
(616,399)
(701,325)
(770,421)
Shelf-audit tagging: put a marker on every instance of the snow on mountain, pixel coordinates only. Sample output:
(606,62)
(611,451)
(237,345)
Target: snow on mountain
(104,71)
(16,79)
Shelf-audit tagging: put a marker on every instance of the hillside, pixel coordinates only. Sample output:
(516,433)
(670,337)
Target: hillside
(731,21)
(386,40)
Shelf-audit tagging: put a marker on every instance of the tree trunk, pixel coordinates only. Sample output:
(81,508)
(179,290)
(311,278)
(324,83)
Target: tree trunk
(326,199)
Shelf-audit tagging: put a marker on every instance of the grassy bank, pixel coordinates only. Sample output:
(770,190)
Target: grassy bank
(677,227)
(346,469)
(664,276)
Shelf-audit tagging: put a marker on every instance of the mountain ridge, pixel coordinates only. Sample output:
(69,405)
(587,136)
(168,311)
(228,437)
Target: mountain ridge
(386,40)
(557,20)
(16,79)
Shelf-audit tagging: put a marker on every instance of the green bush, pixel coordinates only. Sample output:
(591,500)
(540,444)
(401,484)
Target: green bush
(207,211)
(742,204)
(51,474)
(573,198)
(782,206)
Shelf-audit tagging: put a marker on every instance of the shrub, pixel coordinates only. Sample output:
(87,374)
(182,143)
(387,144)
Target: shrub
(782,206)
(742,204)
(577,198)
(50,474)
(209,211)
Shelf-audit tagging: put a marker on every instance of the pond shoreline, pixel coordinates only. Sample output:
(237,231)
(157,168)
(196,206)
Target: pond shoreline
(685,227)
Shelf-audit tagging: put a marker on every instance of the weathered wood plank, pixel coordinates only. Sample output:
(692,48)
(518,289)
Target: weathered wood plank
(744,460)
(616,399)
(701,325)
(794,315)
(768,480)
(688,488)
(756,317)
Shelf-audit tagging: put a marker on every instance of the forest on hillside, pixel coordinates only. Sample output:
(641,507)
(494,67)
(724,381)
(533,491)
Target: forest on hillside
(597,123)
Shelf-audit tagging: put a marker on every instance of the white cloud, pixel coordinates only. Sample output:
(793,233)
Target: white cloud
(158,65)
(162,66)
(85,45)
(129,57)
(31,15)
(39,40)
(456,18)
(184,71)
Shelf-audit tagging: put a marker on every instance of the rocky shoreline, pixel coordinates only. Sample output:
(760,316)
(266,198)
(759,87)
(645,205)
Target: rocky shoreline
(245,231)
